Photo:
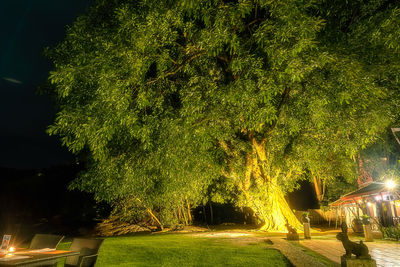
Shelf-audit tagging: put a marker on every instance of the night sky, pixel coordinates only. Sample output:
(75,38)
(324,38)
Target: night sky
(27,27)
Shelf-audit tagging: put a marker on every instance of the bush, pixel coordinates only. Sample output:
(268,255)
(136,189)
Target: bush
(392,232)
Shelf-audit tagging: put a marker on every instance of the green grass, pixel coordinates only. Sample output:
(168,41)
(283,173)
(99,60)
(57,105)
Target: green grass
(184,250)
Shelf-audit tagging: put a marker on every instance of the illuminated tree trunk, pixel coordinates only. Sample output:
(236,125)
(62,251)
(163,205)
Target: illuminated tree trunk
(261,191)
(319,187)
(263,194)
(273,211)
(188,210)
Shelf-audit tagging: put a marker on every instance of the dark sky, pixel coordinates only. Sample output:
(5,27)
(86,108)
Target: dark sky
(27,27)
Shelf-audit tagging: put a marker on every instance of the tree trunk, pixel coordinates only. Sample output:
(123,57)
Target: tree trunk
(204,214)
(275,213)
(189,213)
(184,215)
(263,194)
(260,188)
(211,213)
(155,218)
(179,214)
(319,187)
(270,206)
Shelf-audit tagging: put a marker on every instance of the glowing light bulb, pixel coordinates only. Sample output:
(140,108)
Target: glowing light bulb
(390,184)
(369,204)
(11,249)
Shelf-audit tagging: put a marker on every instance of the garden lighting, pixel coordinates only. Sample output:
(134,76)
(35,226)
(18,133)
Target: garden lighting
(390,184)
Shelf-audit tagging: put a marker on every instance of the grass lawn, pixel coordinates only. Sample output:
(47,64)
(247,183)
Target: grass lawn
(319,257)
(184,250)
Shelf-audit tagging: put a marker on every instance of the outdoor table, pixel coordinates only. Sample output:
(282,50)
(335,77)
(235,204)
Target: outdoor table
(26,257)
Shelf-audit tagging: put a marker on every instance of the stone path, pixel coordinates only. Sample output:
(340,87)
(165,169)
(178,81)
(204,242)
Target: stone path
(385,254)
(295,254)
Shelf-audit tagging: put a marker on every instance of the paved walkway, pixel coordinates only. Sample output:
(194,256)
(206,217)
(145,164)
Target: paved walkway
(385,254)
(295,254)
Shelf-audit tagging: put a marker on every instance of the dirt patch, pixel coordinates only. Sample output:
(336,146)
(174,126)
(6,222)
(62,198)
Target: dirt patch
(112,227)
(226,234)
(189,229)
(237,237)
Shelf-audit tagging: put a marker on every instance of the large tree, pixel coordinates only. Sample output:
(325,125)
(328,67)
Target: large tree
(167,98)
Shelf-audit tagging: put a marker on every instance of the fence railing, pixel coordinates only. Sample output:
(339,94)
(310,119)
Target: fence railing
(317,216)
(331,217)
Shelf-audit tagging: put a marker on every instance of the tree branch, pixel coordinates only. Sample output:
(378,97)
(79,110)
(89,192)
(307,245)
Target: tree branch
(285,96)
(177,68)
(223,58)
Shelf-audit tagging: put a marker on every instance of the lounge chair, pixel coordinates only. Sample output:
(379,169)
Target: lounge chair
(40,241)
(88,248)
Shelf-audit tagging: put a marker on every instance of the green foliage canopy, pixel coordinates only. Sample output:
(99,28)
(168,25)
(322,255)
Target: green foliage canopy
(165,97)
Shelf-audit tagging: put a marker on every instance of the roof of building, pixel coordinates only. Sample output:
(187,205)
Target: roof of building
(370,189)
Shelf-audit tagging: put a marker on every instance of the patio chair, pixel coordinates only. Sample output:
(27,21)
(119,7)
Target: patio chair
(88,249)
(40,241)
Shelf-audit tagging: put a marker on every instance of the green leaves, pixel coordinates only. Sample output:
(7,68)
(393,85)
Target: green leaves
(150,90)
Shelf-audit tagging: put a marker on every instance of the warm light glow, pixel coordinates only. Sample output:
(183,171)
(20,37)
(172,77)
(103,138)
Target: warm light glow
(11,249)
(378,198)
(369,204)
(226,234)
(390,184)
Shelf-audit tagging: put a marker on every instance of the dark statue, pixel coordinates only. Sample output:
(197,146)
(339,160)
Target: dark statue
(292,232)
(344,227)
(360,250)
(290,228)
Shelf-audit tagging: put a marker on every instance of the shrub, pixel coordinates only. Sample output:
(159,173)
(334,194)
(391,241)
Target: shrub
(392,232)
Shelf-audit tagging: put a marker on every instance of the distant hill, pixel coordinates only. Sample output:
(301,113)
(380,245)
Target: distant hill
(41,196)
